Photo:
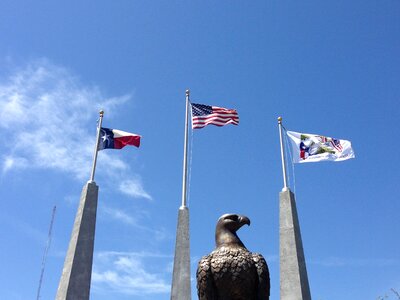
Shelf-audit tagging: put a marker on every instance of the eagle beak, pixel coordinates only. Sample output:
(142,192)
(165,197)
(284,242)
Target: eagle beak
(244,220)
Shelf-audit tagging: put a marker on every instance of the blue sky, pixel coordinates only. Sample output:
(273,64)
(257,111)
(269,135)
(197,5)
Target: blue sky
(329,68)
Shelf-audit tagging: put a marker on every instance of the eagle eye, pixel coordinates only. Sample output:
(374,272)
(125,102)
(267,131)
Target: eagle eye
(232,217)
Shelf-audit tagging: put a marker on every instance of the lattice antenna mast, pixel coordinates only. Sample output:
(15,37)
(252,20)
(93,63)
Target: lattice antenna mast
(46,251)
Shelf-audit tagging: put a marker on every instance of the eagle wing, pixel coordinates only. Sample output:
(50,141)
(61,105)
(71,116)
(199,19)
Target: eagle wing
(205,284)
(264,285)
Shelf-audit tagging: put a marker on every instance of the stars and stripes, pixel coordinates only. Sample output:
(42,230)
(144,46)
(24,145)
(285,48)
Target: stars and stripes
(203,115)
(336,144)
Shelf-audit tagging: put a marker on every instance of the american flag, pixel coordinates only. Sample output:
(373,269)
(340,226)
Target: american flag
(203,115)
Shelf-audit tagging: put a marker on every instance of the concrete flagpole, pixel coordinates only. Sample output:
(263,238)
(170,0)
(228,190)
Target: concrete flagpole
(293,272)
(181,289)
(77,271)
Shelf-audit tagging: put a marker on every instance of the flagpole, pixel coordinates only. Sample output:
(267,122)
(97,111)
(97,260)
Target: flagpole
(293,278)
(285,187)
(180,287)
(97,146)
(185,150)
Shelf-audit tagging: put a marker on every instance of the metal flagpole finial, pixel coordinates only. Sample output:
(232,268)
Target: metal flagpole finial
(101,112)
(279,120)
(187,92)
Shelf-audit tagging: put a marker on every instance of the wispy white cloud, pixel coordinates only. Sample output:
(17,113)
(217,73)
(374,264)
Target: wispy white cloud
(48,117)
(120,215)
(45,111)
(134,187)
(10,162)
(72,200)
(130,273)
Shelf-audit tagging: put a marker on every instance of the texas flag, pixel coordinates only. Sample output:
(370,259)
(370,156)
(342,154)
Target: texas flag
(117,139)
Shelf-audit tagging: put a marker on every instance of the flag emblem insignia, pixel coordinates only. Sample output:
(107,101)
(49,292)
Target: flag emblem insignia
(313,148)
(313,145)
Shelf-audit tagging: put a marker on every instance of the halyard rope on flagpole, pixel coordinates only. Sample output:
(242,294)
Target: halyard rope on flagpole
(289,154)
(292,163)
(285,187)
(190,163)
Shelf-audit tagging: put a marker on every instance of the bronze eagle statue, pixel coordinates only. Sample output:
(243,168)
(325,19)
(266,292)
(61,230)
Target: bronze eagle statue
(231,272)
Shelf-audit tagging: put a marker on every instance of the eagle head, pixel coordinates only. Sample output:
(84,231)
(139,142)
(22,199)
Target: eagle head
(227,225)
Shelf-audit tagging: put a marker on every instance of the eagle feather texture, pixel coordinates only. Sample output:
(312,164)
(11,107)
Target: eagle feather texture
(231,272)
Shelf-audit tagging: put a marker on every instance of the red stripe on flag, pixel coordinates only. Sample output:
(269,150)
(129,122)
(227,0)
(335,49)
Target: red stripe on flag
(214,122)
(219,116)
(121,142)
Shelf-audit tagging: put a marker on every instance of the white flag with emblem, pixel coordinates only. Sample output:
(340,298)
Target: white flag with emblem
(313,148)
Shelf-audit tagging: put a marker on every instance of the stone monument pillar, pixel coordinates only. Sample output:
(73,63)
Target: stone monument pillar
(180,289)
(76,275)
(293,273)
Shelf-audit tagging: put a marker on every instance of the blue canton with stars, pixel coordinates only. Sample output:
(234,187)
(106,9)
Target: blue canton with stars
(201,110)
(106,140)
